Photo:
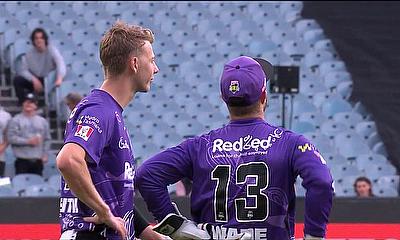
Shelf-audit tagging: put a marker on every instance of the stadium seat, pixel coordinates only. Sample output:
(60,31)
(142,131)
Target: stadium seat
(159,108)
(344,191)
(22,181)
(375,171)
(194,16)
(40,190)
(324,44)
(187,129)
(55,182)
(210,117)
(277,57)
(101,25)
(332,79)
(331,66)
(373,139)
(314,58)
(257,47)
(331,128)
(345,89)
(224,47)
(295,49)
(302,127)
(166,139)
(312,36)
(389,181)
(332,158)
(290,6)
(58,15)
(7,191)
(310,88)
(238,25)
(273,25)
(315,118)
(380,149)
(334,106)
(350,144)
(114,8)
(365,128)
(280,36)
(173,58)
(50,169)
(385,192)
(343,170)
(304,25)
(25,15)
(150,127)
(350,119)
(208,57)
(321,142)
(174,117)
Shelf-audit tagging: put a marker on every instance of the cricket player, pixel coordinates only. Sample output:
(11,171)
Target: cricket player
(97,162)
(243,174)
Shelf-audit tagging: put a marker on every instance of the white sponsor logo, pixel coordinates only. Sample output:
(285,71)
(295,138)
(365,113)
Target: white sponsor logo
(69,205)
(129,174)
(90,120)
(84,132)
(122,144)
(244,143)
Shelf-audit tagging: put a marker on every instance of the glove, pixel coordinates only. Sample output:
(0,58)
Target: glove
(180,228)
(240,236)
(309,237)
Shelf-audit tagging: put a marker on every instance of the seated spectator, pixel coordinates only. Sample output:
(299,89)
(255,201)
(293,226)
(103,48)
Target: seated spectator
(37,64)
(29,136)
(363,187)
(4,119)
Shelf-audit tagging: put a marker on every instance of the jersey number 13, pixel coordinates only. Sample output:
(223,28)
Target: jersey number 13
(243,212)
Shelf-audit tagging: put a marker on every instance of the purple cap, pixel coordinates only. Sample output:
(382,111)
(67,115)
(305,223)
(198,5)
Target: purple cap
(242,81)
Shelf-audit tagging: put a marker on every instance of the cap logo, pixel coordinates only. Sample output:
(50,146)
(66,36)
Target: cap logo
(234,87)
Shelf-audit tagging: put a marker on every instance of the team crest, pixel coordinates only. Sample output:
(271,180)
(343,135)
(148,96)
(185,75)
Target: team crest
(84,132)
(234,87)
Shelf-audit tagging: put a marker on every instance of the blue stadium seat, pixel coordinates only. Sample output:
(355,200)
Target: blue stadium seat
(59,15)
(22,181)
(295,49)
(310,88)
(331,66)
(312,36)
(325,44)
(273,25)
(159,108)
(224,47)
(187,129)
(350,144)
(174,117)
(343,170)
(55,182)
(389,181)
(25,15)
(40,190)
(315,118)
(302,127)
(375,171)
(332,79)
(334,106)
(373,139)
(344,191)
(150,127)
(315,58)
(280,36)
(7,191)
(345,89)
(257,47)
(305,25)
(208,57)
(290,6)
(331,128)
(386,192)
(351,119)
(166,139)
(321,142)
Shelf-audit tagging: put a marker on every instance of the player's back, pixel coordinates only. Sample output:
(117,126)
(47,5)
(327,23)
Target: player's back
(243,179)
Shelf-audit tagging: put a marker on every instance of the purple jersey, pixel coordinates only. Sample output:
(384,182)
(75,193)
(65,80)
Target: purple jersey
(97,126)
(243,180)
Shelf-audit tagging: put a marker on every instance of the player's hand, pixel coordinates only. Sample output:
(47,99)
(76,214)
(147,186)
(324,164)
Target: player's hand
(37,85)
(149,234)
(116,223)
(309,237)
(179,228)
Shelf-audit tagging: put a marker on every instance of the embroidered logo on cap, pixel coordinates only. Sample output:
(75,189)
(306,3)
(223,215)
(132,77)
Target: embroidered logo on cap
(234,87)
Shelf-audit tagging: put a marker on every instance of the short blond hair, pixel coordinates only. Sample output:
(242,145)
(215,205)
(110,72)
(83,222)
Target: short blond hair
(119,42)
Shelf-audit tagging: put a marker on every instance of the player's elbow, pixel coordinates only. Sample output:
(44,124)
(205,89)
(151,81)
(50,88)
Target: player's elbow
(63,162)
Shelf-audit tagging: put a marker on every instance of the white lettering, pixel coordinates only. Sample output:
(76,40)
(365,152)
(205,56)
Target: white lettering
(69,205)
(217,144)
(231,232)
(218,232)
(123,144)
(246,143)
(260,233)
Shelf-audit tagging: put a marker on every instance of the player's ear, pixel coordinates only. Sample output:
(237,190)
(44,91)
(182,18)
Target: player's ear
(134,64)
(263,97)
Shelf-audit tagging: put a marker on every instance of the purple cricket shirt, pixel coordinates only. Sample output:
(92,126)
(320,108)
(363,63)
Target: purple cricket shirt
(96,124)
(243,180)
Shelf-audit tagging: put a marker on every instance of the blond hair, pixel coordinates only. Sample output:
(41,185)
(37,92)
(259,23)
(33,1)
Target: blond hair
(119,42)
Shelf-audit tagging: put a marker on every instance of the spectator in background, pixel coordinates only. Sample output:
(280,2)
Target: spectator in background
(363,187)
(29,136)
(72,99)
(37,64)
(4,119)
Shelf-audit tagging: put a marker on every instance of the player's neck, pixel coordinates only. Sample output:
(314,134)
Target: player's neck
(118,88)
(248,116)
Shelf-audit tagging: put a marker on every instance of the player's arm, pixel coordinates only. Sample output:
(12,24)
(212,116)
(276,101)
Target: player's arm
(143,229)
(72,165)
(161,170)
(317,180)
